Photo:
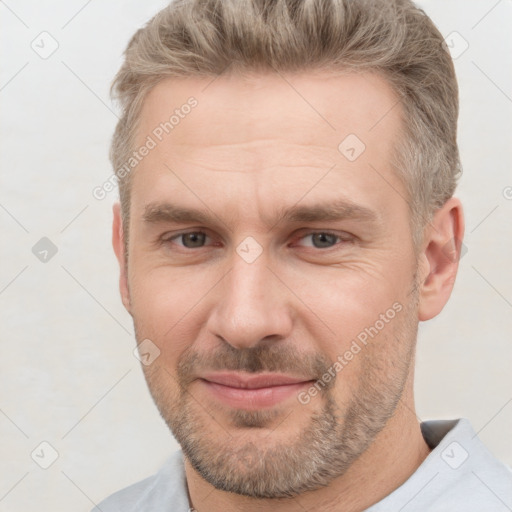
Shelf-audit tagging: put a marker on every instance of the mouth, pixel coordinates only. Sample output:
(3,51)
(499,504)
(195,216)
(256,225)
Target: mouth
(250,391)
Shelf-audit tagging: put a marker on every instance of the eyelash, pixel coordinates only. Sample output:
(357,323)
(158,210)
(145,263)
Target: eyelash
(341,239)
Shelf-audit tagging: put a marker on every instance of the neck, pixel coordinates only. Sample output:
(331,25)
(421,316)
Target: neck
(396,453)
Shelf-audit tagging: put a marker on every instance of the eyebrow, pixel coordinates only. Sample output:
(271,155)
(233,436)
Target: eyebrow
(164,212)
(334,211)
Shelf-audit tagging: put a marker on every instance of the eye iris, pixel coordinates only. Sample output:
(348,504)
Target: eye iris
(196,239)
(323,238)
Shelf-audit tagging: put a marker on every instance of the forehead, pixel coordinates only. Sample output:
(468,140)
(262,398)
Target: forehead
(269,136)
(314,108)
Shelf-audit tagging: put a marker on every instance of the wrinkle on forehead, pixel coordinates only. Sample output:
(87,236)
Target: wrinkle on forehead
(255,155)
(304,108)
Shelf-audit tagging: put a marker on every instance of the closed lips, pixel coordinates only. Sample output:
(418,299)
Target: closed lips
(244,381)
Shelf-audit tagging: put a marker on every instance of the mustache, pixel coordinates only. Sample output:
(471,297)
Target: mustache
(271,358)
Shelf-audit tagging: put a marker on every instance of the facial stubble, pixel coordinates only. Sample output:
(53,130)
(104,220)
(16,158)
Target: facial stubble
(233,459)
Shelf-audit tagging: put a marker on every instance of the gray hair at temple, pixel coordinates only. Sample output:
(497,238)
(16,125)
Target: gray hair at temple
(205,38)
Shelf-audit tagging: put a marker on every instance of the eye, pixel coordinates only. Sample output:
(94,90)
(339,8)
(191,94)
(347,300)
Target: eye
(325,239)
(318,240)
(190,240)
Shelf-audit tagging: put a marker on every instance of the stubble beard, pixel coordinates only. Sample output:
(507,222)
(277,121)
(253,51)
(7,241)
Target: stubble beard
(333,438)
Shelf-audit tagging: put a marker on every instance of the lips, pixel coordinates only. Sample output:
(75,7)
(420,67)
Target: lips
(239,380)
(249,391)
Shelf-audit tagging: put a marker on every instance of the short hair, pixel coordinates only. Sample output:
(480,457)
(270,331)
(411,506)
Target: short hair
(203,38)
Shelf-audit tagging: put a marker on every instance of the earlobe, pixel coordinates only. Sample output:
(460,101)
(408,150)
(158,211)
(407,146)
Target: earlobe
(118,243)
(439,259)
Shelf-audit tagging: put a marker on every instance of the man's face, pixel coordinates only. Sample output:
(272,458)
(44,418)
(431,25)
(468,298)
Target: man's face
(267,283)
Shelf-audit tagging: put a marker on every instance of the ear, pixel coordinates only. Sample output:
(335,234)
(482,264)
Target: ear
(118,244)
(439,259)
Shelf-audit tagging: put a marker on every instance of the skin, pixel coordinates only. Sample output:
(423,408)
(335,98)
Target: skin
(251,147)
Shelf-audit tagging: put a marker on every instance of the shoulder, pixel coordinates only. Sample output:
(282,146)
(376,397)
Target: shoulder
(467,472)
(460,473)
(167,488)
(125,499)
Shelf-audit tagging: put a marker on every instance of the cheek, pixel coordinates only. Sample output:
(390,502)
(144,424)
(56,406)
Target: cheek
(348,300)
(368,360)
(165,294)
(165,306)
(353,320)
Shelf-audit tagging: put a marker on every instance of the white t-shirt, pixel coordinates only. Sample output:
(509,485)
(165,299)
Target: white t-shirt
(460,474)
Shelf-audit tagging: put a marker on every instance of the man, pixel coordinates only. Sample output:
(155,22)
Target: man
(286,174)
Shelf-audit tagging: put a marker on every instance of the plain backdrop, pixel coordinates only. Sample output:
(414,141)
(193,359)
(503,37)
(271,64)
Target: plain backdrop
(68,376)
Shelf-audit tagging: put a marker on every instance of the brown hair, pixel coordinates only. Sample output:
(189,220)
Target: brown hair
(392,37)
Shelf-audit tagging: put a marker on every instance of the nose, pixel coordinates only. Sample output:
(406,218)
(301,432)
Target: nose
(251,305)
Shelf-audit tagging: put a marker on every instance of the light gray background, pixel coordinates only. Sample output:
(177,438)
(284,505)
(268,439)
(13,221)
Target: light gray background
(67,372)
